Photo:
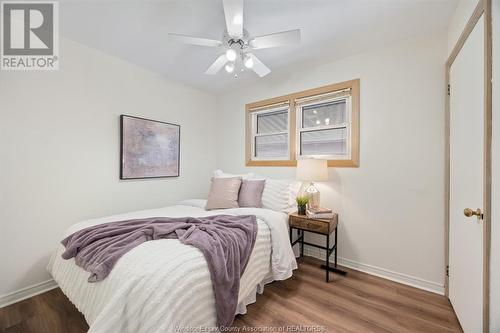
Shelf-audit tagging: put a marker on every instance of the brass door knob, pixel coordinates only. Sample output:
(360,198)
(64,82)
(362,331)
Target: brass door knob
(469,212)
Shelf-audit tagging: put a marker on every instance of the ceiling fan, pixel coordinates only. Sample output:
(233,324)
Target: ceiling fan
(238,44)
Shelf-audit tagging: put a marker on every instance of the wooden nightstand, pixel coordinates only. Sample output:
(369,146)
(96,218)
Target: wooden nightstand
(318,226)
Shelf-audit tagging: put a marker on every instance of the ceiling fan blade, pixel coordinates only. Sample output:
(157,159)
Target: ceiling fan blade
(258,67)
(194,40)
(216,66)
(277,39)
(233,11)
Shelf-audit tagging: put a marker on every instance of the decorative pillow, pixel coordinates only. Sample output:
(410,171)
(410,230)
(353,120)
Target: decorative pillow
(223,193)
(251,193)
(277,195)
(222,174)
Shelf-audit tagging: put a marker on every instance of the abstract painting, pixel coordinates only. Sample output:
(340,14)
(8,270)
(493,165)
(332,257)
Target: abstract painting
(149,148)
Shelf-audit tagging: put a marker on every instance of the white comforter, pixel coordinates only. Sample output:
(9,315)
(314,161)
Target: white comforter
(164,285)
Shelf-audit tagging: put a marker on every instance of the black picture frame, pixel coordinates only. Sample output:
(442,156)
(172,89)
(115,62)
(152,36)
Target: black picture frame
(122,176)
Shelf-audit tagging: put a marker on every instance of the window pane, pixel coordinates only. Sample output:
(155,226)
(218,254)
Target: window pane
(271,146)
(324,114)
(272,122)
(324,142)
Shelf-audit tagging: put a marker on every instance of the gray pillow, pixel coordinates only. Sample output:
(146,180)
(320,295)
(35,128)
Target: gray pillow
(251,193)
(223,193)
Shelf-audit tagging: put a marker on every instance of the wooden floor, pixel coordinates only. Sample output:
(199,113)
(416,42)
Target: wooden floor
(356,303)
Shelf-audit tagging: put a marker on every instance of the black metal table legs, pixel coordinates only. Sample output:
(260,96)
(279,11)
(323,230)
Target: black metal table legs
(329,250)
(328,254)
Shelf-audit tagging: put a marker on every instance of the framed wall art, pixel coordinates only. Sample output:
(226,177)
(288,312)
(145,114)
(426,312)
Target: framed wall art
(148,148)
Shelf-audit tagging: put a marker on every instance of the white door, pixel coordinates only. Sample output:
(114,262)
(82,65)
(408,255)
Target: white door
(466,181)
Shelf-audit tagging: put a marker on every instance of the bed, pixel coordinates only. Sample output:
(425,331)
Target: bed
(164,285)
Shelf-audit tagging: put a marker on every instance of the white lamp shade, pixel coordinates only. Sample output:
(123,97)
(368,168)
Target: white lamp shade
(312,170)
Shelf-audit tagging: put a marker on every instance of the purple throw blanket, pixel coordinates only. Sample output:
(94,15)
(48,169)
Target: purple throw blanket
(226,242)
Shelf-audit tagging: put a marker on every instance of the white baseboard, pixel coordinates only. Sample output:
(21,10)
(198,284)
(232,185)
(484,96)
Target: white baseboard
(27,292)
(380,272)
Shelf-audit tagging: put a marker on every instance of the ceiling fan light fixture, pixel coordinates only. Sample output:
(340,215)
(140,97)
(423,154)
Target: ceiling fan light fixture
(229,67)
(231,55)
(236,44)
(248,62)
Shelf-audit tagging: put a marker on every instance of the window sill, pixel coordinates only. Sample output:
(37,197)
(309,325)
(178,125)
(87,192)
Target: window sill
(278,163)
(352,163)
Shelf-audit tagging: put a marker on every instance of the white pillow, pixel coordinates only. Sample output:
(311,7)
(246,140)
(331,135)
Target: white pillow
(221,174)
(277,195)
(294,192)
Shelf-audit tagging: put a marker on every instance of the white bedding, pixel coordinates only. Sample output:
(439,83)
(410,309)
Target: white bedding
(164,285)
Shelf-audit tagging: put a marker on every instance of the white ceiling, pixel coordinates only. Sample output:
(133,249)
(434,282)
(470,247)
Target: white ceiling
(136,30)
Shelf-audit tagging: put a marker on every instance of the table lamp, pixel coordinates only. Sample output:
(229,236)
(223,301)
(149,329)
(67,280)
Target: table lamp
(312,170)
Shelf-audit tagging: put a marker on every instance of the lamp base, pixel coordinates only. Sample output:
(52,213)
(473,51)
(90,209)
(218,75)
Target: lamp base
(313,195)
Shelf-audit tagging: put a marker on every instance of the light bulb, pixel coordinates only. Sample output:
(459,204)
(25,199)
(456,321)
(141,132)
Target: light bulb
(229,67)
(248,62)
(231,55)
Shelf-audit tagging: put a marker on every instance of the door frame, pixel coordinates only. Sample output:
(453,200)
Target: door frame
(483,8)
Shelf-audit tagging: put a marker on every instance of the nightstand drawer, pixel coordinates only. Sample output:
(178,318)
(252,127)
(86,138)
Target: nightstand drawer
(309,224)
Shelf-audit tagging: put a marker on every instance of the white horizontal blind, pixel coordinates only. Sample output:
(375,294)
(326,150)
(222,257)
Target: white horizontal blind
(324,142)
(270,107)
(323,97)
(270,133)
(271,122)
(323,126)
(324,114)
(271,146)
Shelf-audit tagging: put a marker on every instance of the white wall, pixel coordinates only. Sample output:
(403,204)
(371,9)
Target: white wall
(391,207)
(59,151)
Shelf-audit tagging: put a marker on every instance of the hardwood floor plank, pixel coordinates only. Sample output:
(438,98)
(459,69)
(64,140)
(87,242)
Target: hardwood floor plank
(377,303)
(354,303)
(17,313)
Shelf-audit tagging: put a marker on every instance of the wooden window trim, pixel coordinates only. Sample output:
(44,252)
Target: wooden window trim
(290,98)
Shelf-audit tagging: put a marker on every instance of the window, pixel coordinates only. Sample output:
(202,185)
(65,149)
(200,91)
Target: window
(323,126)
(316,123)
(270,132)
